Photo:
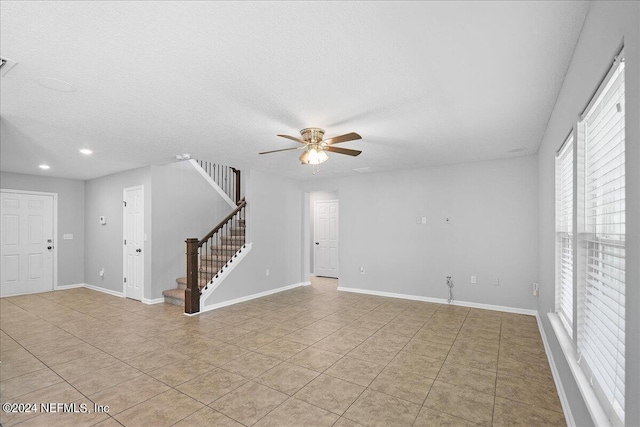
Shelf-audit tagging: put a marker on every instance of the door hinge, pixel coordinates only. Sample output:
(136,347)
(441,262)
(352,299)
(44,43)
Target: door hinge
(125,280)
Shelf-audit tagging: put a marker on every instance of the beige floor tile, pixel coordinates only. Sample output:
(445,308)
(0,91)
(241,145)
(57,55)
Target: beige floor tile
(84,365)
(315,359)
(354,370)
(211,385)
(252,340)
(101,379)
(430,349)
(431,418)
(163,410)
(296,413)
(15,367)
(281,349)
(220,355)
(71,418)
(476,359)
(157,359)
(417,364)
(537,393)
(250,402)
(467,376)
(228,333)
(59,392)
(306,336)
(341,344)
(345,422)
(181,372)
(473,343)
(330,393)
(19,386)
(376,352)
(251,364)
(403,385)
(378,409)
(287,378)
(510,413)
(207,417)
(129,393)
(520,368)
(461,402)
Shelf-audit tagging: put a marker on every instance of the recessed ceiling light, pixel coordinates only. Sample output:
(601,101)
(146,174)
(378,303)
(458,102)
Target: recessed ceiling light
(44,167)
(86,151)
(55,84)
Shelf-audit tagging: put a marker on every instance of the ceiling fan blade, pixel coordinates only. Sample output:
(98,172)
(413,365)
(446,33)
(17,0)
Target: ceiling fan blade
(293,138)
(283,149)
(343,151)
(343,138)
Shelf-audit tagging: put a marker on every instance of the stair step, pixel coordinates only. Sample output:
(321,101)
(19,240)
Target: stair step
(225,249)
(174,296)
(238,231)
(203,281)
(232,239)
(204,259)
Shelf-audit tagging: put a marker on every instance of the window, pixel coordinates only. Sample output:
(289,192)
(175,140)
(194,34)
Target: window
(601,328)
(590,265)
(564,234)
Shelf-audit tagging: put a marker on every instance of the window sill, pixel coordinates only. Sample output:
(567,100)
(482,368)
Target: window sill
(597,412)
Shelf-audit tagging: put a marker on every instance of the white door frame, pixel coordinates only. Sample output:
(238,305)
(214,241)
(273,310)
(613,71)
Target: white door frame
(55,226)
(124,235)
(315,224)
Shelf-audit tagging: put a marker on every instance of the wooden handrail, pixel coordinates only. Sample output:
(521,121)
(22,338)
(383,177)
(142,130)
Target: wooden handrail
(237,185)
(241,204)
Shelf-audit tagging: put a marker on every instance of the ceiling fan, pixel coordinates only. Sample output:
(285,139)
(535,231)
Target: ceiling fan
(315,148)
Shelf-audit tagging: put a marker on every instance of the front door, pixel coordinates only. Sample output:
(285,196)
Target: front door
(27,243)
(133,227)
(326,238)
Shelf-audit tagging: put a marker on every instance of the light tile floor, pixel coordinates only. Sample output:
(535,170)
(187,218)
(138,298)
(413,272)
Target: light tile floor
(309,356)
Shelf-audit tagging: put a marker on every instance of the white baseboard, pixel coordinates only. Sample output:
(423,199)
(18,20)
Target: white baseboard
(253,296)
(153,301)
(441,301)
(106,291)
(72,286)
(556,377)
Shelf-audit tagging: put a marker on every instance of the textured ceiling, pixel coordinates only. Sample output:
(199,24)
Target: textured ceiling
(426,83)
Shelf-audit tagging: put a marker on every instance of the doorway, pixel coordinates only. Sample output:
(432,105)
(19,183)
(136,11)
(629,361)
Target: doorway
(326,238)
(28,253)
(133,237)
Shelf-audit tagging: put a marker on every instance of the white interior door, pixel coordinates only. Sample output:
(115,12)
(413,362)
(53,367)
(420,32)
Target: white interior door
(326,238)
(27,243)
(133,227)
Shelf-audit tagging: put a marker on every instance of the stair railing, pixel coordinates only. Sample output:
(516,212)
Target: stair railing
(205,261)
(227,178)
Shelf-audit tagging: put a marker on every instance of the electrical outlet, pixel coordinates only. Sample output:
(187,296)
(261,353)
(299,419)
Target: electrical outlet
(535,289)
(361,270)
(473,279)
(496,282)
(267,272)
(101,272)
(447,220)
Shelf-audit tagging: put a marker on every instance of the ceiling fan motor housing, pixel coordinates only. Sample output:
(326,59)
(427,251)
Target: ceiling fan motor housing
(312,135)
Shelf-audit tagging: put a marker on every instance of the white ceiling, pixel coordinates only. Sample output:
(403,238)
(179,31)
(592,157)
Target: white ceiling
(427,83)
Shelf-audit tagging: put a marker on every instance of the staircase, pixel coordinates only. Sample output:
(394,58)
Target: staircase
(211,261)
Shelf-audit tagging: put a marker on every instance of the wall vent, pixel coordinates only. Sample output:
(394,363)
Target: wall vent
(6,65)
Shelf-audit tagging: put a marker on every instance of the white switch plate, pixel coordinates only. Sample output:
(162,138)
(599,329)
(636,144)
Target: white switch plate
(267,272)
(424,219)
(361,270)
(473,279)
(535,289)
(67,236)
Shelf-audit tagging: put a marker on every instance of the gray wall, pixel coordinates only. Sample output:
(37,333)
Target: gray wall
(274,226)
(492,233)
(184,205)
(314,197)
(70,219)
(605,27)
(103,243)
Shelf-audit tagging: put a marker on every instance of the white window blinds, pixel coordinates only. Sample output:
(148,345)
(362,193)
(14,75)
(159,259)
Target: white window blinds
(601,328)
(564,234)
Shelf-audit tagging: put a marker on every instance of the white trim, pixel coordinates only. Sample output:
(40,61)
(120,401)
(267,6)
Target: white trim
(566,408)
(106,291)
(152,301)
(250,297)
(55,227)
(441,301)
(212,183)
(124,235)
(72,286)
(223,274)
(597,412)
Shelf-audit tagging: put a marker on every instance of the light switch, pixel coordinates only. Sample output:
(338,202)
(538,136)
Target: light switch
(424,219)
(67,236)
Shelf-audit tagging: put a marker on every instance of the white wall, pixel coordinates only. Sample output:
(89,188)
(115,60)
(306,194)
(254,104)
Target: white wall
(606,26)
(184,205)
(492,233)
(103,243)
(314,197)
(274,226)
(70,219)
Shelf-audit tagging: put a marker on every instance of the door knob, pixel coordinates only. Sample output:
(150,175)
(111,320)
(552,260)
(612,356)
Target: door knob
(138,250)
(317,243)
(49,247)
